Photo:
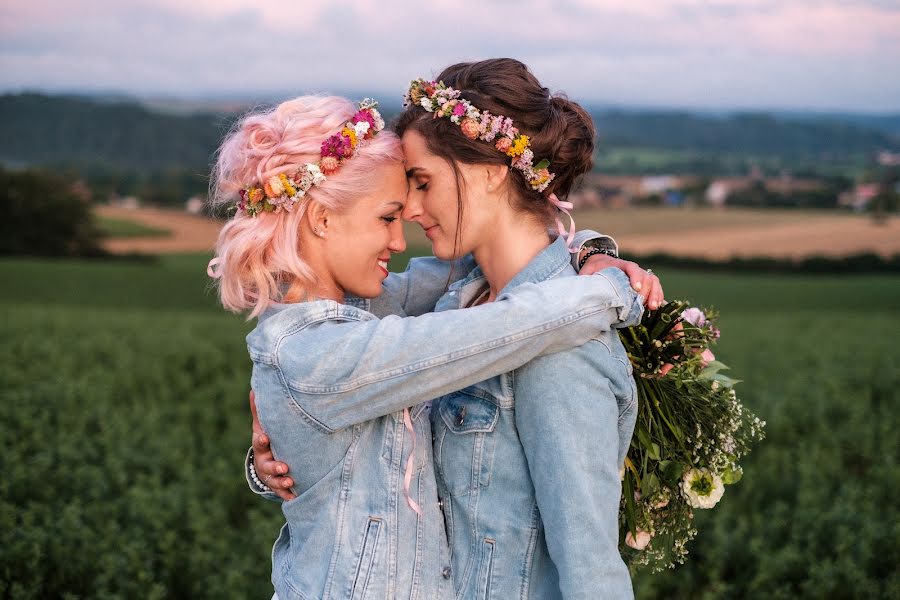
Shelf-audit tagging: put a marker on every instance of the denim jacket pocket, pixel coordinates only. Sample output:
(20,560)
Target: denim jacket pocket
(464,441)
(366,559)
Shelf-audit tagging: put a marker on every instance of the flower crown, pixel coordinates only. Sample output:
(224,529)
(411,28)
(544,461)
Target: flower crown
(284,190)
(443,101)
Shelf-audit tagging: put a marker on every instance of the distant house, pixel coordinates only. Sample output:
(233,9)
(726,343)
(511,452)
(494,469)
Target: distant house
(194,205)
(889,159)
(721,188)
(129,202)
(658,184)
(717,193)
(860,196)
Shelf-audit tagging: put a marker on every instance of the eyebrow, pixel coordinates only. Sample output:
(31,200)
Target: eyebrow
(399,205)
(412,171)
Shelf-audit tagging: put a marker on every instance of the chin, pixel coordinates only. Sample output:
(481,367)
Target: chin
(368,292)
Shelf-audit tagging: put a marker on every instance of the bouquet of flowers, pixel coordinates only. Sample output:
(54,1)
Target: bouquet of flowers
(691,432)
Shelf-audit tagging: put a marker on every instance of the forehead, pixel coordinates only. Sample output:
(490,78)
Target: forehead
(386,184)
(415,147)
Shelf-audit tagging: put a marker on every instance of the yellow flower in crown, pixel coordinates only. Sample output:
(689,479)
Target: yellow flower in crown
(289,189)
(346,131)
(519,145)
(255,195)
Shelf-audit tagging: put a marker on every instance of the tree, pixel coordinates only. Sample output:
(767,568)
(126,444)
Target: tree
(45,217)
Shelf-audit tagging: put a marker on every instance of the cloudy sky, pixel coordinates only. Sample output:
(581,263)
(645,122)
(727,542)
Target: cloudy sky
(717,54)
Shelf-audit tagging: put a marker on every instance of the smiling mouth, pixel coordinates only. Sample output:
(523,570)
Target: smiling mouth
(383,264)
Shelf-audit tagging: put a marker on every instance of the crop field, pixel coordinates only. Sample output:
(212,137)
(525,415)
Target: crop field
(124,422)
(696,232)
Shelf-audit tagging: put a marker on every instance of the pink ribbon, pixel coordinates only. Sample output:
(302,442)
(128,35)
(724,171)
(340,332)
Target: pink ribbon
(407,477)
(564,207)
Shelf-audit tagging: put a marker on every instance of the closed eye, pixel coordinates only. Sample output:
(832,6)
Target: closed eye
(389,219)
(422,187)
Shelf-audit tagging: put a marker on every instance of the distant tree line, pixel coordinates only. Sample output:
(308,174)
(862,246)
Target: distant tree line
(122,148)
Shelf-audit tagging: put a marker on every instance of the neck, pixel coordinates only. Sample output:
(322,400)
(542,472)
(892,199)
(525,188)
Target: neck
(324,288)
(513,243)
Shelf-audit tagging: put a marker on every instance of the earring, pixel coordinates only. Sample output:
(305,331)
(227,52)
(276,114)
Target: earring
(318,232)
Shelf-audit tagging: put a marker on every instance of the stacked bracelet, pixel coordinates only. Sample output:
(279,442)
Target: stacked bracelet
(259,484)
(592,251)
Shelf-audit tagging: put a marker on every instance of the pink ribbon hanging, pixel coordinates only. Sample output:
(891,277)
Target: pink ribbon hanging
(407,476)
(565,207)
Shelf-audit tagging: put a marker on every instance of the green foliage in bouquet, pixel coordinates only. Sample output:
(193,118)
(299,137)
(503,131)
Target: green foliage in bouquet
(690,434)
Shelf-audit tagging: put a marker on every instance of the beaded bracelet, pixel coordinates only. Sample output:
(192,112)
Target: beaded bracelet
(259,484)
(593,251)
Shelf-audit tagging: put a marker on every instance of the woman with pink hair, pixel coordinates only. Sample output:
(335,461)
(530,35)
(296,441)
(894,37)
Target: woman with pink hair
(345,355)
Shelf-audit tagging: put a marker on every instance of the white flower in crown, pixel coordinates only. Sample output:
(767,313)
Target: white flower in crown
(361,128)
(702,488)
(426,104)
(315,173)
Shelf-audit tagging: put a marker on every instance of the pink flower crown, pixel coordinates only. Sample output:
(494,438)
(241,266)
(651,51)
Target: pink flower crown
(286,189)
(443,101)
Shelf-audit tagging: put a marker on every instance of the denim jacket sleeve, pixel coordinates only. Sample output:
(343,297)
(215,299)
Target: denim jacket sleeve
(592,238)
(345,370)
(415,291)
(567,415)
(267,494)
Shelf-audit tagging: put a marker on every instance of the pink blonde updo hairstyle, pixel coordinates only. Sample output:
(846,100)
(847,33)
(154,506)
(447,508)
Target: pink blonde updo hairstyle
(257,258)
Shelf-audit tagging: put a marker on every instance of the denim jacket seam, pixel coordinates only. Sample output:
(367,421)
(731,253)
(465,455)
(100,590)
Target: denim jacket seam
(286,381)
(633,399)
(447,358)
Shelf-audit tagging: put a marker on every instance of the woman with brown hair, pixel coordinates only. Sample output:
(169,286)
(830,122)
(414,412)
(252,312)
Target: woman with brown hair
(527,462)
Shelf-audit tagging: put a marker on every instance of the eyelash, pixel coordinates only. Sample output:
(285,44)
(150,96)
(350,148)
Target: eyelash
(389,219)
(422,187)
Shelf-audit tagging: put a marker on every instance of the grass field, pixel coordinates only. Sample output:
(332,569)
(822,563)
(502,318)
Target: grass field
(124,422)
(123,228)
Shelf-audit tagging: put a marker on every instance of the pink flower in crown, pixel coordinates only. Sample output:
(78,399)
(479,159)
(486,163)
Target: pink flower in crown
(459,109)
(503,144)
(470,128)
(329,165)
(336,145)
(707,357)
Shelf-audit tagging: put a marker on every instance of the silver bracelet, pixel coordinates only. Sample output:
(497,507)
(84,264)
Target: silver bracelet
(253,476)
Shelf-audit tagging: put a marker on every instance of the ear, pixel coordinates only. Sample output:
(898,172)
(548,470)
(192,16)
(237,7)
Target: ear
(496,176)
(317,218)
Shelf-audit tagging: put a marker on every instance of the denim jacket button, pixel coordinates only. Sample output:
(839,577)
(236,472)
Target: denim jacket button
(446,572)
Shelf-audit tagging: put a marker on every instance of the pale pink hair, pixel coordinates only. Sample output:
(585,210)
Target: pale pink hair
(257,258)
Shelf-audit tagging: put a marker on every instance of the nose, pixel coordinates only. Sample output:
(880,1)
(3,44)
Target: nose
(413,207)
(398,242)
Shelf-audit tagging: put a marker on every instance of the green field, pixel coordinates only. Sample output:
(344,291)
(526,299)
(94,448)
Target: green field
(122,228)
(124,421)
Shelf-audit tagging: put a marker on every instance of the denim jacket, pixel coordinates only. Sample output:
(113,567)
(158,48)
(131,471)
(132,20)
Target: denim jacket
(416,291)
(331,381)
(528,461)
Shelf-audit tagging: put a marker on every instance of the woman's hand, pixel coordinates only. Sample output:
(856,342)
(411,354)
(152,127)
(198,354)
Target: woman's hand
(270,471)
(645,283)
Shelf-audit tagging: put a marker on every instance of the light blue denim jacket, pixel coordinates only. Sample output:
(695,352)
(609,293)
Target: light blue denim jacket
(331,381)
(528,462)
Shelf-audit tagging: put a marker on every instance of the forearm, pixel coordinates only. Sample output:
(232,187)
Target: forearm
(381,361)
